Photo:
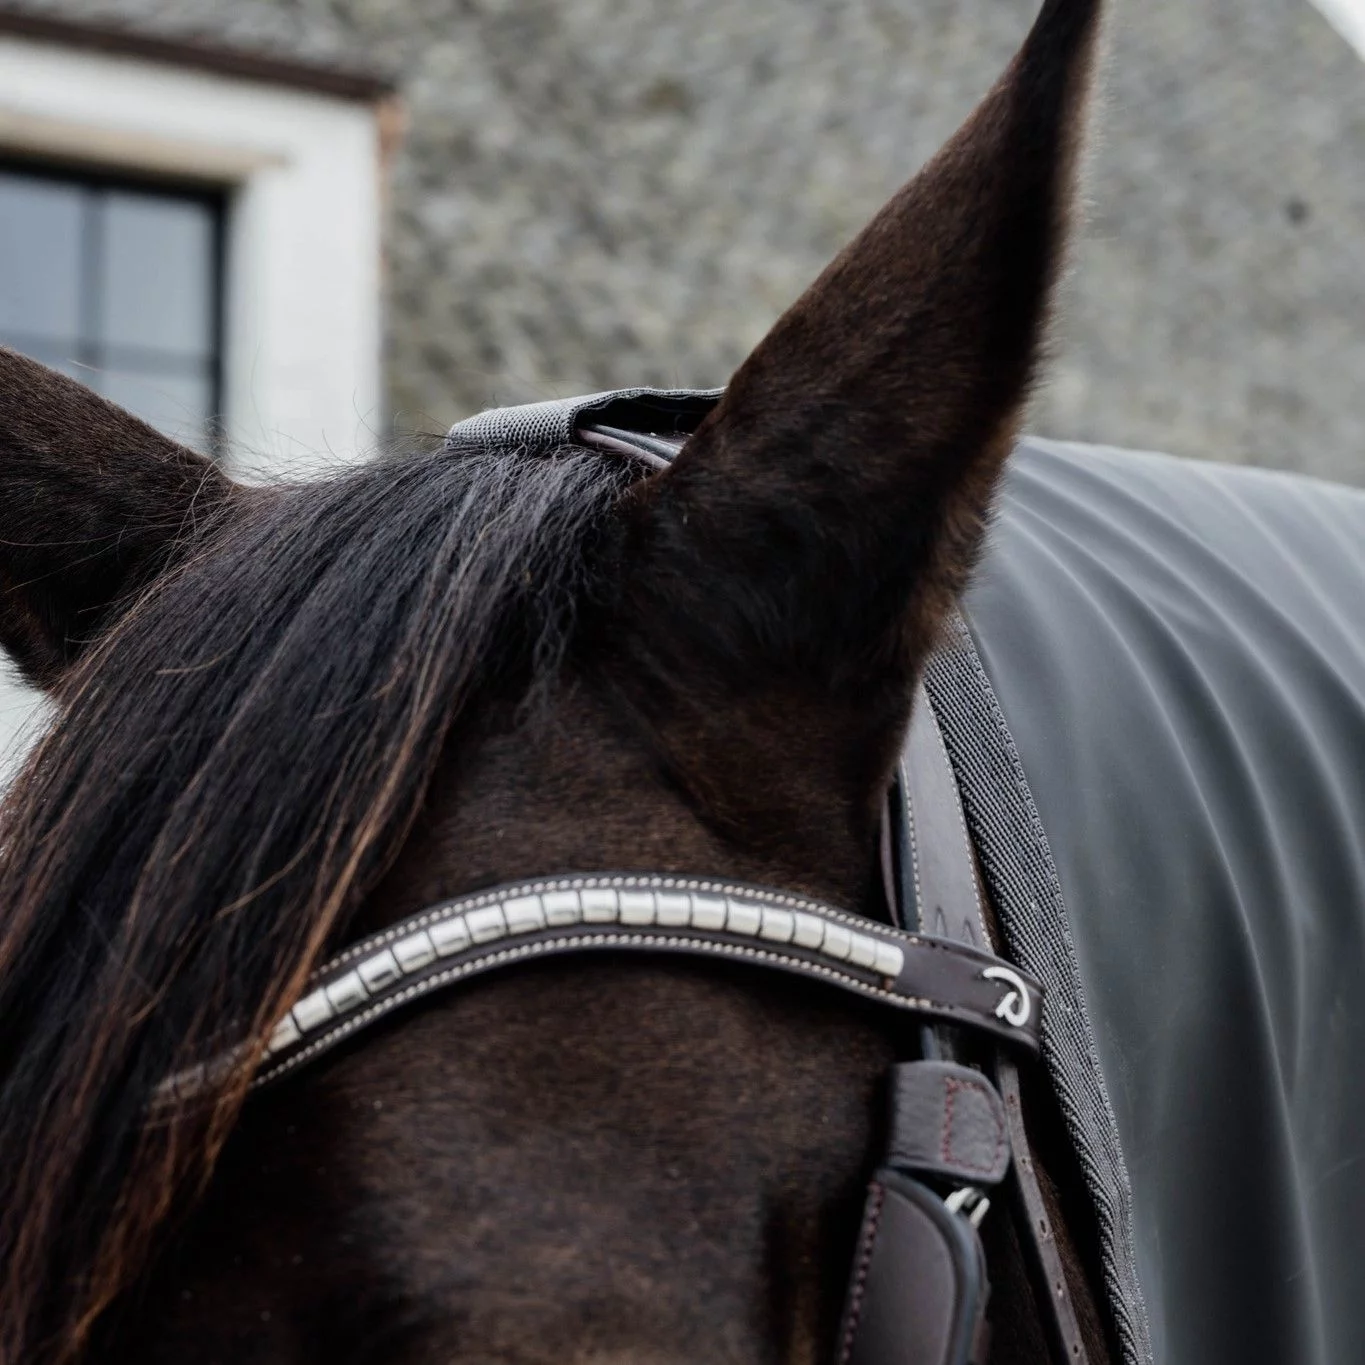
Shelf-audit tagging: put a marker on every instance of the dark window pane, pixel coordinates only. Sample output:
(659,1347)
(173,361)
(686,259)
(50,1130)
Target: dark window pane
(60,355)
(157,273)
(116,285)
(179,405)
(40,260)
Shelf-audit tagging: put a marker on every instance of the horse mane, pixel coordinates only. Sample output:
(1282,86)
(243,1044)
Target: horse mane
(229,775)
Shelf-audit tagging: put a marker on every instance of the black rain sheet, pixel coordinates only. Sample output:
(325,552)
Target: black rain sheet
(1179,651)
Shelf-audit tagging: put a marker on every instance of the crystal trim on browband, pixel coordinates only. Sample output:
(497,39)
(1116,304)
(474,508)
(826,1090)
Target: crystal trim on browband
(504,925)
(562,909)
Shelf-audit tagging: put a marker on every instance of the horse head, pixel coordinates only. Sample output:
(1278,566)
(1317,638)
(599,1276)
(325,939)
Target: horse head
(286,716)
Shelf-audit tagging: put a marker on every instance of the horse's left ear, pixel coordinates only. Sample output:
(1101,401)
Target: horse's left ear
(819,523)
(93,505)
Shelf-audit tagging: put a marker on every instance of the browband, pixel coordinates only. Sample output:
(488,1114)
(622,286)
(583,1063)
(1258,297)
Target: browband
(640,912)
(656,914)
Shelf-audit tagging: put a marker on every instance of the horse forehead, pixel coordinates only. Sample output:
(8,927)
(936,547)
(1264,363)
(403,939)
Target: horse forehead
(694,1054)
(585,1146)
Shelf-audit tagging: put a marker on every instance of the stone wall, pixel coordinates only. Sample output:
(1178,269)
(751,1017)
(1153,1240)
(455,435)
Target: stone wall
(600,192)
(603,192)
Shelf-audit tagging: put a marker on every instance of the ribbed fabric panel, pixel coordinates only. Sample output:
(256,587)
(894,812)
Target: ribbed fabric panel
(1018,866)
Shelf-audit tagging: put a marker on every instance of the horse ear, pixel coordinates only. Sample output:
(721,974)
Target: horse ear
(93,505)
(827,512)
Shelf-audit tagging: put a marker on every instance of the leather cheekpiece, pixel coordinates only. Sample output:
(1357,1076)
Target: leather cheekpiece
(919,1288)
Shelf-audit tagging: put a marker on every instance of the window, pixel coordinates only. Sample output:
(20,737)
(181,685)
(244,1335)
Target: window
(218,272)
(291,175)
(118,284)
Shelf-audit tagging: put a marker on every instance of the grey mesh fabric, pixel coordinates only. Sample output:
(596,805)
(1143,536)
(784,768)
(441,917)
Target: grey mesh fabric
(1178,651)
(549,425)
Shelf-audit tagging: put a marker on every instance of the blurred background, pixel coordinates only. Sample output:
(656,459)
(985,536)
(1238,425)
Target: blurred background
(287,231)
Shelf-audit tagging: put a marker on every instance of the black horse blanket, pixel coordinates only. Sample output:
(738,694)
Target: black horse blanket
(1178,651)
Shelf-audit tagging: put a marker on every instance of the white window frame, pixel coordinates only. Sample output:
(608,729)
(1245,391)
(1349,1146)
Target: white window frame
(301,171)
(1348,18)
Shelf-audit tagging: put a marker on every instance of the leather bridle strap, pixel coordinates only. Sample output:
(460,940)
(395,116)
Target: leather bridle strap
(633,913)
(945,898)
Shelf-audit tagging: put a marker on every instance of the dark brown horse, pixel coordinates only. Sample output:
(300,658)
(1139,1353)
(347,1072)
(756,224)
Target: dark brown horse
(287,716)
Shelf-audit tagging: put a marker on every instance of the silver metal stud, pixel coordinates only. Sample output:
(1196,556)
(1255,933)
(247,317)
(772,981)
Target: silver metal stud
(838,942)
(312,1010)
(450,936)
(637,907)
(890,959)
(599,906)
(708,912)
(672,909)
(415,951)
(347,992)
(808,930)
(379,971)
(741,918)
(523,914)
(487,924)
(562,907)
(862,950)
(284,1034)
(778,925)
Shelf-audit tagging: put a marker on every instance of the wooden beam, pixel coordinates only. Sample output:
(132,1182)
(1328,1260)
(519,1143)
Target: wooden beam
(199,53)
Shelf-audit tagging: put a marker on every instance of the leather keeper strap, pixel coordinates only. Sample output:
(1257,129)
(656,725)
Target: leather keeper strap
(947,1122)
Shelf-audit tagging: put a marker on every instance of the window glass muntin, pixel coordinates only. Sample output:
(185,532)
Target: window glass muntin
(118,282)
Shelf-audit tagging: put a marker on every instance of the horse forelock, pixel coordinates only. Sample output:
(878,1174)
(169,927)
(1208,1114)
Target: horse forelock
(229,775)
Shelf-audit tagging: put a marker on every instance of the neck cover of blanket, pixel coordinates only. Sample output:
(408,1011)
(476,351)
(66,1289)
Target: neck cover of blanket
(1178,650)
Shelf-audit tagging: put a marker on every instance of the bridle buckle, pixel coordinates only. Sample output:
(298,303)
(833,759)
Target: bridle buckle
(970,1202)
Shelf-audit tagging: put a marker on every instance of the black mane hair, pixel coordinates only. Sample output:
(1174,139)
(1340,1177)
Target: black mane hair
(229,774)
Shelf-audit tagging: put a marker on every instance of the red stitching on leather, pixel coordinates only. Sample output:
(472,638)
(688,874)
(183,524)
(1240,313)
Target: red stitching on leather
(855,1298)
(952,1085)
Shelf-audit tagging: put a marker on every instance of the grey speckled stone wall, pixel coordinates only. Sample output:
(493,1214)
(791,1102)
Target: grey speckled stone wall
(604,192)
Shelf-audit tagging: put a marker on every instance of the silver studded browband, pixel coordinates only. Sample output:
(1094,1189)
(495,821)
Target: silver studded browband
(642,913)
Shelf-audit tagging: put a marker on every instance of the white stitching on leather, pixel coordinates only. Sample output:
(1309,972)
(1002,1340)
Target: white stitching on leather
(353,1022)
(624,881)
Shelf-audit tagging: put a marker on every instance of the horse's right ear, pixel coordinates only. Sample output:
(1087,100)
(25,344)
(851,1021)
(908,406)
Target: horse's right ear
(820,521)
(93,505)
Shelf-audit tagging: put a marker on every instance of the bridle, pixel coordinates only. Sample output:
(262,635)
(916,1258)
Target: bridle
(950,983)
(955,1136)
